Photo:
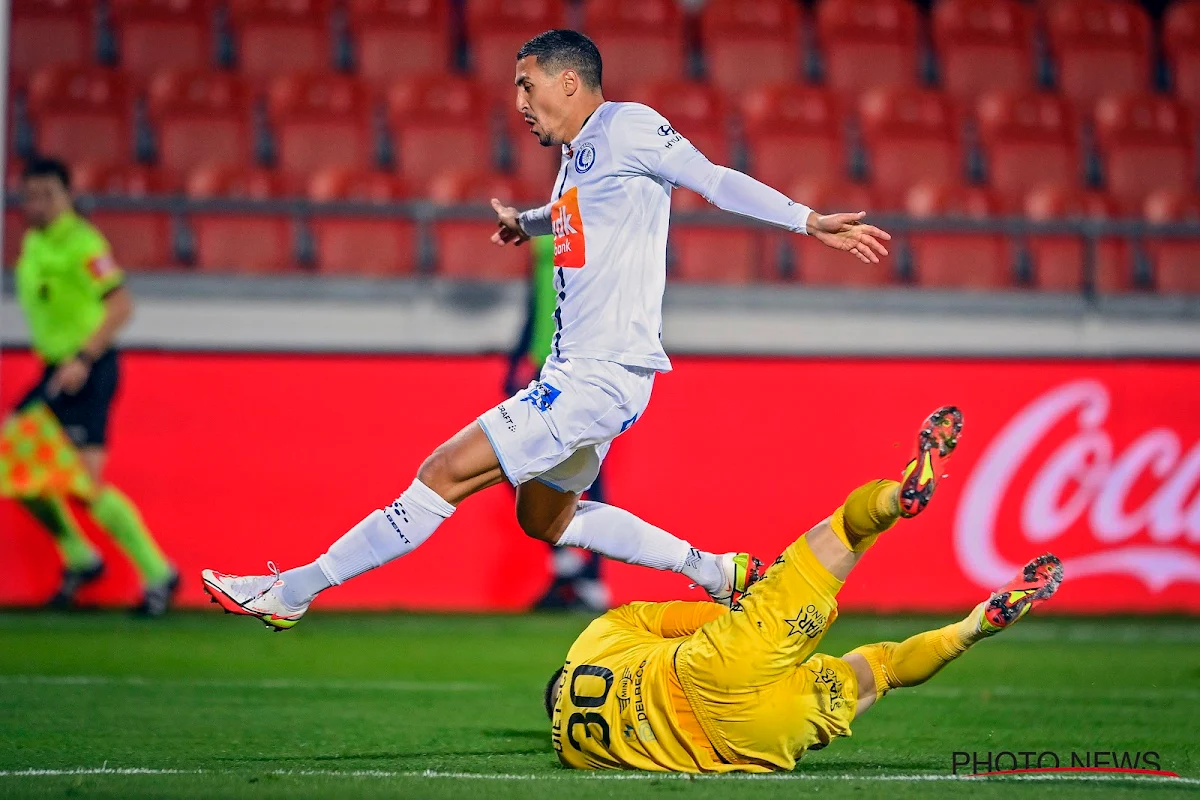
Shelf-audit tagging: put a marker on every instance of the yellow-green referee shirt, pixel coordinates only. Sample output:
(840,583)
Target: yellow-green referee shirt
(63,275)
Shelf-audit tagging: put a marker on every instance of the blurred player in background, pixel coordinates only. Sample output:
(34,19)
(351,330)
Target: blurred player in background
(75,303)
(696,687)
(575,574)
(609,214)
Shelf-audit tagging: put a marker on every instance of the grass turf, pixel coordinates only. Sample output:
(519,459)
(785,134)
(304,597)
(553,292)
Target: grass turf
(218,707)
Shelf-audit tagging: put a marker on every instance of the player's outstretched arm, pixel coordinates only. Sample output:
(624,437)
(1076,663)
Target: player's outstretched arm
(738,193)
(848,232)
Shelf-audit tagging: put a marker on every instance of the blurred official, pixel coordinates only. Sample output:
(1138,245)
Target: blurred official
(74,300)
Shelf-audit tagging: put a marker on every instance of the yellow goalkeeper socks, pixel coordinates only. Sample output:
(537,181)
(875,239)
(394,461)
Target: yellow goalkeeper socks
(55,516)
(868,511)
(918,658)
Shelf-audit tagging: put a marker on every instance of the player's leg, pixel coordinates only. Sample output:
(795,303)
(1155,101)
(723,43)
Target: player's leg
(550,510)
(85,418)
(462,466)
(28,430)
(779,622)
(585,405)
(81,561)
(575,573)
(884,666)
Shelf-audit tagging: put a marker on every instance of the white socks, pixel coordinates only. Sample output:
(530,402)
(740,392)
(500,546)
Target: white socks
(389,533)
(617,534)
(383,536)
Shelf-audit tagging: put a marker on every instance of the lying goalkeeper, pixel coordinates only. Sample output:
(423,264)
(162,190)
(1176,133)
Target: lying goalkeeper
(697,687)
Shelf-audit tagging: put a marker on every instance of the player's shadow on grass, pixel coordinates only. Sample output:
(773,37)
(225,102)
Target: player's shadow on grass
(528,734)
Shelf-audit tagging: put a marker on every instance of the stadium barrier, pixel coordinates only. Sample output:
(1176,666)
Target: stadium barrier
(780,262)
(236,459)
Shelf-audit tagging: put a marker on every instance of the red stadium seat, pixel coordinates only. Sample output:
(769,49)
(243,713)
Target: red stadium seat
(241,183)
(49,32)
(1176,264)
(201,118)
(696,110)
(868,43)
(819,265)
(367,186)
(439,124)
(259,243)
(1058,259)
(911,136)
(1181,41)
(139,239)
(480,187)
(496,29)
(465,251)
(126,181)
(717,254)
(154,35)
(983,45)
(398,38)
(749,42)
(364,246)
(14,234)
(319,121)
(957,260)
(1146,145)
(82,114)
(793,131)
(639,40)
(931,199)
(1100,46)
(1029,139)
(961,260)
(279,37)
(1171,205)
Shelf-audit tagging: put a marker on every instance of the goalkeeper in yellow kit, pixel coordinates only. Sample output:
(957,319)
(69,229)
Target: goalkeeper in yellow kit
(697,687)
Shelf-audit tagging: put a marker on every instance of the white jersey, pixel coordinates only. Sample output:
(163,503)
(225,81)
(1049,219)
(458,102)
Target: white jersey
(609,215)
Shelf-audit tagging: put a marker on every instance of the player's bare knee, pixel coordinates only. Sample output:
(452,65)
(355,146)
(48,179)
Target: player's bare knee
(438,471)
(538,526)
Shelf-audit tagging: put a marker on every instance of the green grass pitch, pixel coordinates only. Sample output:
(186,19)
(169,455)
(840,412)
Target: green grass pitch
(416,706)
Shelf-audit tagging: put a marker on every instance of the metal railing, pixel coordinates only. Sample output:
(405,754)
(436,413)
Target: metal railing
(425,214)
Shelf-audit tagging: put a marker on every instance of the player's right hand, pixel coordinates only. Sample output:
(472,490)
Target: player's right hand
(508,220)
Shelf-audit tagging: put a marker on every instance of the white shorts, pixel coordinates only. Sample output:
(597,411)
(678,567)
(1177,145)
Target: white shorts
(558,429)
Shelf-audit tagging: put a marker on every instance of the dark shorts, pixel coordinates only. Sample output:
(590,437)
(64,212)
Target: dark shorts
(84,415)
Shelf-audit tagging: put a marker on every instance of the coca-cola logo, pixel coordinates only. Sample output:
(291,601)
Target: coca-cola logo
(1084,477)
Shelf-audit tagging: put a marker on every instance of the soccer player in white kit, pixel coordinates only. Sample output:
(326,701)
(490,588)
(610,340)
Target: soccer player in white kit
(609,214)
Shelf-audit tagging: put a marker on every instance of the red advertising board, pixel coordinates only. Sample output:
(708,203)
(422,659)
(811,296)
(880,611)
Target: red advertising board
(237,459)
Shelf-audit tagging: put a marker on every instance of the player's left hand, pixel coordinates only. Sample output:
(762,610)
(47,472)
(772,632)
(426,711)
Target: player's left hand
(69,378)
(848,232)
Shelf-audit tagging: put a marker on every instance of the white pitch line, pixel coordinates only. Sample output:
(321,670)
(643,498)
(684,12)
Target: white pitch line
(264,683)
(597,776)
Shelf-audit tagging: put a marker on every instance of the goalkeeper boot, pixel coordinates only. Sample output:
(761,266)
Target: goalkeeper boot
(935,442)
(1033,586)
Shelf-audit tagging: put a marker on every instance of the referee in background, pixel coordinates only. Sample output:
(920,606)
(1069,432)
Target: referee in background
(75,303)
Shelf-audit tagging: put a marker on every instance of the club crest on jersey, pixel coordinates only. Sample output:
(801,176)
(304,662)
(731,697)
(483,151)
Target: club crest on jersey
(585,158)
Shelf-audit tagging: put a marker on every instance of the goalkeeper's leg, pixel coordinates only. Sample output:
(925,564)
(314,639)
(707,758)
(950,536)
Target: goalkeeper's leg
(884,666)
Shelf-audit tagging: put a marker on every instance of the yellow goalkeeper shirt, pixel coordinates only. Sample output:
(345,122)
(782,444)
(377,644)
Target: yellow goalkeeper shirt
(621,706)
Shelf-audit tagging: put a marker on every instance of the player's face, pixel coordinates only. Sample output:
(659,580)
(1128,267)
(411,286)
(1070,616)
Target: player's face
(541,100)
(44,198)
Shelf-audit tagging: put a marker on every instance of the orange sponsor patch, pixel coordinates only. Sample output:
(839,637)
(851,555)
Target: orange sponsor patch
(569,249)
